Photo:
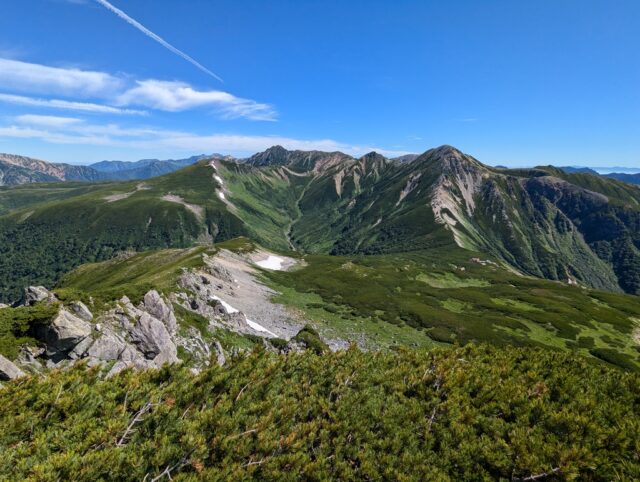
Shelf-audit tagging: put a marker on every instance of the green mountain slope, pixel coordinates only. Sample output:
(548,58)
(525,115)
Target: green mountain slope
(41,242)
(576,228)
(421,298)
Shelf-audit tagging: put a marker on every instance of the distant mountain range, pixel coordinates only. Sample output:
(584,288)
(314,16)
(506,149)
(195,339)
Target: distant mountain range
(22,170)
(15,170)
(145,168)
(630,175)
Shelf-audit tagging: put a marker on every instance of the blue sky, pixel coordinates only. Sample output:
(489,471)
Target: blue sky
(509,82)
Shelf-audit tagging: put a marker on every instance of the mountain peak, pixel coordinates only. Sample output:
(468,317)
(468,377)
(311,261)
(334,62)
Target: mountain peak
(373,156)
(275,155)
(446,150)
(449,158)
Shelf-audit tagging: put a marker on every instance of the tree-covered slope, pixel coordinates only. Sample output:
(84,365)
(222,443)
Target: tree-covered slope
(473,413)
(576,228)
(41,242)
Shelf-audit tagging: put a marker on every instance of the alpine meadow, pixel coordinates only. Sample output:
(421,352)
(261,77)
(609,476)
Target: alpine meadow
(319,241)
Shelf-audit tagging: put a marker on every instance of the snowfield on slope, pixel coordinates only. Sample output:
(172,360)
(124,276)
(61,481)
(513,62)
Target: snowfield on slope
(272,262)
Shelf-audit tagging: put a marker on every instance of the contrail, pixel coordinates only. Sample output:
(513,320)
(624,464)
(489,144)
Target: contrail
(155,37)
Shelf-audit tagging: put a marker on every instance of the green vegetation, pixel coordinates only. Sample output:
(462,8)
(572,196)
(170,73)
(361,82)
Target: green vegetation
(473,413)
(133,275)
(17,325)
(238,245)
(20,197)
(560,226)
(449,280)
(310,338)
(345,296)
(41,242)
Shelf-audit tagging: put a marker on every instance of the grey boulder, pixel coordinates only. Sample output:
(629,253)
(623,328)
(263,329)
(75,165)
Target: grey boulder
(81,311)
(64,332)
(106,348)
(155,305)
(153,340)
(34,294)
(8,370)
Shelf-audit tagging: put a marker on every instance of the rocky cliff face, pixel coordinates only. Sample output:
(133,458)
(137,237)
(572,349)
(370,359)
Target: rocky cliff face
(16,169)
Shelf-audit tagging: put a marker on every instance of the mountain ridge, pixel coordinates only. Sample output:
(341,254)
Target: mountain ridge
(16,169)
(541,222)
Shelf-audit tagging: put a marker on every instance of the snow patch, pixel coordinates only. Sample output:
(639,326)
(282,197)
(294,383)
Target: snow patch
(221,195)
(259,327)
(272,262)
(218,178)
(230,309)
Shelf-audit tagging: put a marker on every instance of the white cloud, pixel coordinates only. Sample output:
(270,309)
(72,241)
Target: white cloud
(47,120)
(250,144)
(42,79)
(54,137)
(179,96)
(117,94)
(68,105)
(152,139)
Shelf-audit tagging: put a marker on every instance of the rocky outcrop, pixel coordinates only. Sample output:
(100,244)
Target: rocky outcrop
(156,306)
(152,338)
(81,311)
(63,333)
(143,335)
(35,294)
(8,370)
(106,347)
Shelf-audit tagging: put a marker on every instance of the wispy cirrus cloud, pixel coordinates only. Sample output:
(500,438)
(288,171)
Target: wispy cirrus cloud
(60,130)
(33,78)
(111,94)
(179,96)
(68,105)
(47,120)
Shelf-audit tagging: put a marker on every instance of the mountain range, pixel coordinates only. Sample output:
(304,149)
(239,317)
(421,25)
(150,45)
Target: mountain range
(542,222)
(15,170)
(286,248)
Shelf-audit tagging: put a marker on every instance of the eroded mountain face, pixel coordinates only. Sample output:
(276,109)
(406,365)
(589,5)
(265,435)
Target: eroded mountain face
(541,222)
(575,228)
